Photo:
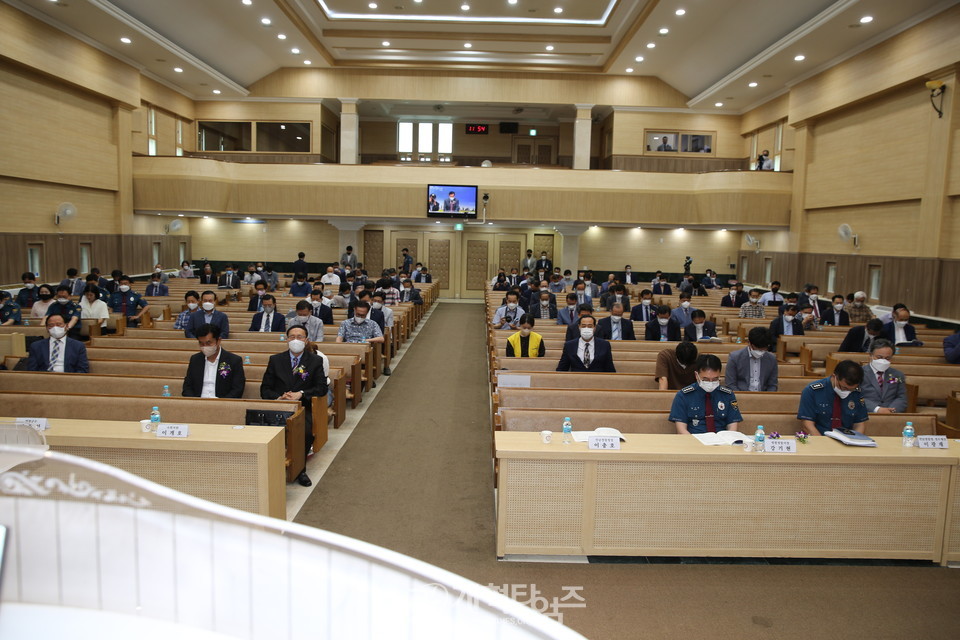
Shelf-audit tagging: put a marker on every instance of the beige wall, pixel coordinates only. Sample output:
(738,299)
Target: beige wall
(268,112)
(778,241)
(29,206)
(605,248)
(628,138)
(223,239)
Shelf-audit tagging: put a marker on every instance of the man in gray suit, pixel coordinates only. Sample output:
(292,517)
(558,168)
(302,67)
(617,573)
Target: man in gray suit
(884,389)
(753,368)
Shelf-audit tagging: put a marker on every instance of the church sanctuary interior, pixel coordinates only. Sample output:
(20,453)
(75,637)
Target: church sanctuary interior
(672,351)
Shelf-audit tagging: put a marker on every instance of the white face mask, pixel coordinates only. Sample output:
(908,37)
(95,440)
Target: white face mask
(755,353)
(842,393)
(685,304)
(616,319)
(192,306)
(806,316)
(586,333)
(572,306)
(586,282)
(838,307)
(296,346)
(709,386)
(209,350)
(628,271)
(259,268)
(157,270)
(208,306)
(880,365)
(754,300)
(376,305)
(315,303)
(646,302)
(663,321)
(511,305)
(63,300)
(813,296)
(358,319)
(788,317)
(29,285)
(57,332)
(544,303)
(124,288)
(524,332)
(901,323)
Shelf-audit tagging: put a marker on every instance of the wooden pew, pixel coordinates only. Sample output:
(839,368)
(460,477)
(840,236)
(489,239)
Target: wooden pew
(13,344)
(135,408)
(612,381)
(644,367)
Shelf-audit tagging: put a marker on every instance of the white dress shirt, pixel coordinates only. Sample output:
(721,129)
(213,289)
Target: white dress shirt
(581,345)
(754,374)
(58,363)
(787,326)
(899,335)
(699,329)
(330,278)
(209,388)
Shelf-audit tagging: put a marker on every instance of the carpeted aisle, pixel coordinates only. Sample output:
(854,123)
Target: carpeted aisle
(416,477)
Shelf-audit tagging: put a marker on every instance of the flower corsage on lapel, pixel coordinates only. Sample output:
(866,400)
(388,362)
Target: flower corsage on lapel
(301,372)
(224,370)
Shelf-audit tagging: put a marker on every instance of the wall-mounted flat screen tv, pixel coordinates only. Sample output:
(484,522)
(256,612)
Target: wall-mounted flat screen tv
(451,201)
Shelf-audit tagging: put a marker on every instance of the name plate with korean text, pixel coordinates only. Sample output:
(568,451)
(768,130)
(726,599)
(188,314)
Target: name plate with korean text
(604,443)
(780,446)
(40,424)
(171,430)
(932,442)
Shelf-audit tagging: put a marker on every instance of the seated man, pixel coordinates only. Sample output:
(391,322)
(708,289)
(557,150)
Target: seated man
(28,294)
(859,311)
(208,314)
(229,279)
(699,328)
(318,307)
(64,306)
(683,313)
(772,297)
(645,311)
(735,297)
(59,353)
(951,348)
(300,287)
(884,389)
(900,331)
(661,288)
(525,343)
(752,307)
(663,328)
(303,317)
(10,313)
(252,276)
(835,316)
(423,276)
(583,294)
(573,330)
(360,328)
(705,407)
(676,368)
(296,374)
(753,368)
(214,372)
(156,288)
(615,326)
(834,402)
(126,302)
(268,320)
(617,293)
(508,316)
(409,293)
(542,308)
(256,299)
(789,299)
(164,277)
(568,315)
(192,300)
(808,319)
(587,353)
(862,337)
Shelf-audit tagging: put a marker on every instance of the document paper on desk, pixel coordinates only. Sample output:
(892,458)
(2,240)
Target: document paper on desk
(721,437)
(583,436)
(851,437)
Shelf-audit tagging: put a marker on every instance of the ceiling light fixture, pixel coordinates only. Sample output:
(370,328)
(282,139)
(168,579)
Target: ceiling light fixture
(558,10)
(629,69)
(467,45)
(372,5)
(464,7)
(178,69)
(281,36)
(651,45)
(752,84)
(718,104)
(664,31)
(508,1)
(307,62)
(866,19)
(680,12)
(549,47)
(800,58)
(126,40)
(266,22)
(385,43)
(216,91)
(247,2)
(294,51)
(639,59)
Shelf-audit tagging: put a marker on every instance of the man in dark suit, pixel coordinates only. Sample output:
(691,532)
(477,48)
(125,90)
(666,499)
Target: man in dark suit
(788,324)
(951,348)
(884,388)
(662,288)
(156,287)
(208,314)
(573,330)
(542,308)
(900,331)
(409,294)
(296,374)
(645,311)
(811,295)
(58,353)
(229,279)
(207,276)
(544,264)
(753,368)
(319,309)
(214,372)
(789,299)
(268,320)
(451,203)
(615,326)
(300,265)
(423,276)
(587,353)
(616,293)
(256,300)
(735,297)
(663,327)
(861,338)
(834,315)
(699,327)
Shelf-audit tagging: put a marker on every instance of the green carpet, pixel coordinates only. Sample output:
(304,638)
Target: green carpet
(416,477)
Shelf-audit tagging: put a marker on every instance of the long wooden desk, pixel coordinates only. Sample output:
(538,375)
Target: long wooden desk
(669,495)
(240,468)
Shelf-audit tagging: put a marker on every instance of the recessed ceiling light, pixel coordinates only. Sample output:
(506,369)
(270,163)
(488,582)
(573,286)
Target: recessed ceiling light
(467,45)
(178,69)
(800,58)
(639,59)
(558,10)
(549,47)
(216,91)
(179,215)
(508,1)
(866,19)
(206,217)
(722,229)
(418,1)
(126,40)
(299,137)
(651,45)
(283,127)
(307,62)
(437,222)
(464,7)
(248,3)
(680,12)
(295,50)
(629,69)
(372,5)
(664,31)
(752,84)
(385,43)
(266,21)
(281,36)
(718,104)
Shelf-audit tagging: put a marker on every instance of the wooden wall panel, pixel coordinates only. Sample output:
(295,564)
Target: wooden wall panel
(766,114)
(885,229)
(663,164)
(373,245)
(948,306)
(509,255)
(628,138)
(29,207)
(277,240)
(440,260)
(543,242)
(409,242)
(609,248)
(950,245)
(166,98)
(477,264)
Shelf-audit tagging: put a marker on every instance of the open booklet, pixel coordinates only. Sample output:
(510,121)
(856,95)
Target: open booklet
(706,339)
(721,437)
(583,436)
(851,437)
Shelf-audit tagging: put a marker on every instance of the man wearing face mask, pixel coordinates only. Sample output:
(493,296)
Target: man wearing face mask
(811,295)
(734,297)
(752,307)
(617,293)
(788,324)
(302,316)
(268,320)
(192,301)
(615,326)
(835,316)
(699,328)
(834,402)
(591,287)
(542,308)
(859,311)
(214,372)
(900,331)
(10,313)
(360,328)
(296,374)
(861,338)
(663,328)
(544,263)
(28,294)
(568,314)
(156,288)
(409,293)
(64,306)
(127,302)
(645,311)
(207,276)
(526,343)
(256,296)
(508,316)
(628,276)
(59,353)
(676,368)
(318,309)
(683,314)
(706,406)
(208,314)
(662,288)
(587,353)
(164,277)
(884,388)
(573,330)
(229,279)
(772,297)
(753,368)
(300,288)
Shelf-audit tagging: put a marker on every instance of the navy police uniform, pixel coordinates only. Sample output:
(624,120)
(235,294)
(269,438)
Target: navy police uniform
(9,310)
(817,403)
(690,404)
(133,302)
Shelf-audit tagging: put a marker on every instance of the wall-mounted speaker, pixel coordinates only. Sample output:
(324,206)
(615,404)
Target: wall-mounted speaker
(509,127)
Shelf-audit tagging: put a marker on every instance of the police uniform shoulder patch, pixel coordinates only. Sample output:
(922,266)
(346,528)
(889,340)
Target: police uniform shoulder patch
(816,385)
(726,390)
(861,402)
(689,389)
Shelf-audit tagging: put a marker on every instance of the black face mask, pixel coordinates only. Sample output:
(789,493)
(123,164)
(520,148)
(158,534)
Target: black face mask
(46,296)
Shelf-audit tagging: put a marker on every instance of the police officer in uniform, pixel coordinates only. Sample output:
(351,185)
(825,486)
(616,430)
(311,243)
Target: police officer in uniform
(834,402)
(128,303)
(705,406)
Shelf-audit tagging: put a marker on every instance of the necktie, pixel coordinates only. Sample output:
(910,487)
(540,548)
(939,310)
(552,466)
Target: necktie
(835,420)
(586,354)
(616,330)
(867,342)
(266,322)
(54,355)
(708,415)
(123,307)
(296,363)
(880,379)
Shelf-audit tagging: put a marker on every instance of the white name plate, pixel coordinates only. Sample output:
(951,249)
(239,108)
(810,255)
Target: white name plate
(605,443)
(780,446)
(513,380)
(932,442)
(170,430)
(40,424)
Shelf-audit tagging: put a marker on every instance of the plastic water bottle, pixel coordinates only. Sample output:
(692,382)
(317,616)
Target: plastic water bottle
(166,392)
(909,435)
(739,340)
(283,337)
(567,431)
(155,417)
(896,351)
(26,321)
(246,359)
(759,438)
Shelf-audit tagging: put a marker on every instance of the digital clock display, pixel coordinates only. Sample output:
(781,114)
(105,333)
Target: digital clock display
(478,129)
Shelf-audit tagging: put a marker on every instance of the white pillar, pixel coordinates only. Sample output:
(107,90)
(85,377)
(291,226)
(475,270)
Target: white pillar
(581,136)
(349,131)
(570,256)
